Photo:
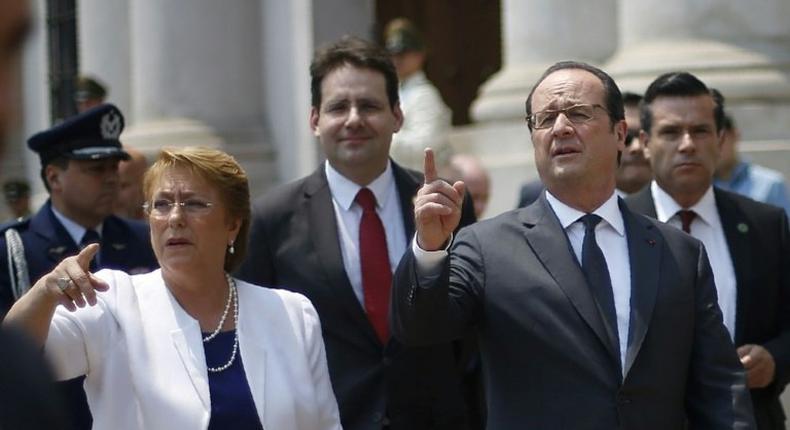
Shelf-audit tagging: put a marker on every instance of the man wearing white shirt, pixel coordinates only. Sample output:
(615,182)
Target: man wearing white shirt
(747,242)
(426,118)
(336,236)
(588,315)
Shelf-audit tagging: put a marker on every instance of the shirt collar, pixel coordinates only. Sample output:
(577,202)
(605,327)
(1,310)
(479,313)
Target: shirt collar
(667,207)
(344,190)
(74,230)
(609,211)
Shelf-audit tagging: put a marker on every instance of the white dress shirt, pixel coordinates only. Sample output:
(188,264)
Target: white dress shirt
(611,238)
(349,213)
(706,227)
(74,230)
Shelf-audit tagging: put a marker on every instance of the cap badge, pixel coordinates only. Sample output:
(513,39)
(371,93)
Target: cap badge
(110,125)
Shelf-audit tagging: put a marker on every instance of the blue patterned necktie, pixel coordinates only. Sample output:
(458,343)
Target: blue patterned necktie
(597,274)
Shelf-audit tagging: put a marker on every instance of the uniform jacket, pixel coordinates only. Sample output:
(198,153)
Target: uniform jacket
(125,245)
(145,366)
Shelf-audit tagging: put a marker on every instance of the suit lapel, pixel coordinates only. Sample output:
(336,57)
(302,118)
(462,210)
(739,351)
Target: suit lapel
(642,203)
(736,231)
(253,339)
(114,243)
(160,309)
(326,242)
(59,244)
(542,232)
(644,255)
(407,189)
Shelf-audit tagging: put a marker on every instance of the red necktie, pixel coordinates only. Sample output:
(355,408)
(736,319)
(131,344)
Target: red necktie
(375,264)
(686,217)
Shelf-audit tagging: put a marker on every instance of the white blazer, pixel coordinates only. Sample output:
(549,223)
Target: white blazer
(145,366)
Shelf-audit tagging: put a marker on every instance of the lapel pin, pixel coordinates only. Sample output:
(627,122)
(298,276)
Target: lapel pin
(742,227)
(57,251)
(650,242)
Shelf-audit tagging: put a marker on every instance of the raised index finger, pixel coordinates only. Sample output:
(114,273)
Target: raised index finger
(429,166)
(86,255)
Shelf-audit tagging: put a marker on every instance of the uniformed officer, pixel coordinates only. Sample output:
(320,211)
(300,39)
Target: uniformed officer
(79,167)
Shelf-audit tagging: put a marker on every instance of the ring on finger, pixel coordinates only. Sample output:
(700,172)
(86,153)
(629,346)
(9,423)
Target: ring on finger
(63,283)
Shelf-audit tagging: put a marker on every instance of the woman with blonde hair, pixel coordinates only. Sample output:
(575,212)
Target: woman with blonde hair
(186,346)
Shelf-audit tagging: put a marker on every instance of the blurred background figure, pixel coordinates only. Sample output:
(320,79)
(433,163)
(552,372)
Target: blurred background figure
(27,397)
(17,198)
(478,184)
(426,119)
(129,203)
(634,171)
(754,181)
(89,93)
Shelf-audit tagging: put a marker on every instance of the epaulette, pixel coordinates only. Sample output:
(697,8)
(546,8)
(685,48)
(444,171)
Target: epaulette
(17,224)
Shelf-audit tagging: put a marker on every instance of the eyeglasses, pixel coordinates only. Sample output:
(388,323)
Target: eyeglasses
(163,207)
(577,114)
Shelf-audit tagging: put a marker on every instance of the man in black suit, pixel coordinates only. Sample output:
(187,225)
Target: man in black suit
(588,316)
(319,237)
(748,242)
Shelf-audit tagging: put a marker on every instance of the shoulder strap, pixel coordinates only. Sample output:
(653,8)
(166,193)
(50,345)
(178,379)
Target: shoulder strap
(17,264)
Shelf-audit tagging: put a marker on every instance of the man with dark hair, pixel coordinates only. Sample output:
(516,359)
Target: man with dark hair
(79,166)
(588,315)
(17,197)
(744,177)
(335,237)
(633,172)
(748,242)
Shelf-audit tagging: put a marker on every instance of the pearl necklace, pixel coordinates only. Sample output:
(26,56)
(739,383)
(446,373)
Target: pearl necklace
(233,296)
(231,288)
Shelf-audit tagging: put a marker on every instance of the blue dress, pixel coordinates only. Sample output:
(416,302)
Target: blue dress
(232,406)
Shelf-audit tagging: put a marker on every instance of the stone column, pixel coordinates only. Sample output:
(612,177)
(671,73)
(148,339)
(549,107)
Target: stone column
(196,79)
(537,33)
(103,35)
(738,47)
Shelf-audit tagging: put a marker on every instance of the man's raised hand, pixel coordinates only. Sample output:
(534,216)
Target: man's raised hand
(437,207)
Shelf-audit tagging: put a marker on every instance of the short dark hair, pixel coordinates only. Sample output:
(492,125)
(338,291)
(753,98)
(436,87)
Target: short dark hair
(727,122)
(357,52)
(679,84)
(60,162)
(614,99)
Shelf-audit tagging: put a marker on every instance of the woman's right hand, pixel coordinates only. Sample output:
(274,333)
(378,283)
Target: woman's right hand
(70,283)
